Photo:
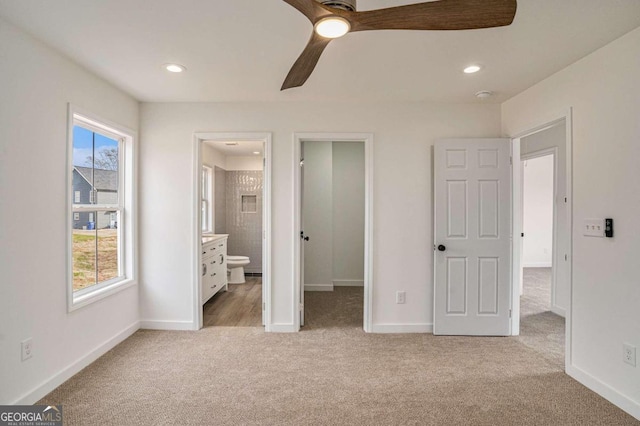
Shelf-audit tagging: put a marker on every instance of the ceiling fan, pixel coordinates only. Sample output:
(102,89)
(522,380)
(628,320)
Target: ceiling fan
(334,18)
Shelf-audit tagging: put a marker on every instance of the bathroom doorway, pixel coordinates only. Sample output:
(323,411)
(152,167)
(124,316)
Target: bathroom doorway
(233,192)
(333,230)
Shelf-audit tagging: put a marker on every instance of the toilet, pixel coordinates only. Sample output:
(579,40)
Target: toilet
(236,265)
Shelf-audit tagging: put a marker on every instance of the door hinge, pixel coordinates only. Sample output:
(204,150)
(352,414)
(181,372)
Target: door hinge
(301,162)
(301,307)
(511,160)
(565,199)
(264,306)
(509,313)
(566,257)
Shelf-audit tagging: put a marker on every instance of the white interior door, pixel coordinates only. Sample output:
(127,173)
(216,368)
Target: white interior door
(472,231)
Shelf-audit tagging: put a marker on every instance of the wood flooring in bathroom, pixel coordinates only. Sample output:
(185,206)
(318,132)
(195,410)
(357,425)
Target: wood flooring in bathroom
(241,306)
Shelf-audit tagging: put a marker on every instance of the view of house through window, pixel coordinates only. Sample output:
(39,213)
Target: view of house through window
(97,206)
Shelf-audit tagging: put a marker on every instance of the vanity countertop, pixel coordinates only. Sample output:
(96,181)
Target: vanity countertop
(207,238)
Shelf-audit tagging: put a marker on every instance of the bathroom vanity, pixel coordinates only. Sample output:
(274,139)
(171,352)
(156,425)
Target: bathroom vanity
(214,265)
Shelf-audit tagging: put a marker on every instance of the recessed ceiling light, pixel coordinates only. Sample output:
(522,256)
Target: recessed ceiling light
(332,27)
(174,67)
(256,152)
(472,69)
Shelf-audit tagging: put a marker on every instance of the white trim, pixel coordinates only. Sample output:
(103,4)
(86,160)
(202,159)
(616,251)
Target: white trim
(318,287)
(348,283)
(198,138)
(402,328)
(549,121)
(559,311)
(166,325)
(75,367)
(538,265)
(516,239)
(620,400)
(127,206)
(284,328)
(367,138)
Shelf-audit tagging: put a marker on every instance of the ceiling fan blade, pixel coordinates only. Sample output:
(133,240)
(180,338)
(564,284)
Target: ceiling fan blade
(307,61)
(438,15)
(310,8)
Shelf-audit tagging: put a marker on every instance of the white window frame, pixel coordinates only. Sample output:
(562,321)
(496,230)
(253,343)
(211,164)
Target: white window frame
(76,196)
(127,240)
(206,198)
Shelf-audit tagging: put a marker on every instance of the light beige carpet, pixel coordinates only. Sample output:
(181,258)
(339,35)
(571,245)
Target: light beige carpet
(332,373)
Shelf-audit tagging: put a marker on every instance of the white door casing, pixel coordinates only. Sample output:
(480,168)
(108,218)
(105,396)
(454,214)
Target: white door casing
(472,223)
(302,236)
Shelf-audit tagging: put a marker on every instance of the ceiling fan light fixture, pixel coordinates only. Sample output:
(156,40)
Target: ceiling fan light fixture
(332,27)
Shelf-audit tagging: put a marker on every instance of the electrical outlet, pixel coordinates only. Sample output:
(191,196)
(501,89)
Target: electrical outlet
(401,297)
(629,354)
(27,349)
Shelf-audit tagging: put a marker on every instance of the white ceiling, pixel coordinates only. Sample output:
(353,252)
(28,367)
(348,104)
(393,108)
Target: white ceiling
(242,149)
(241,50)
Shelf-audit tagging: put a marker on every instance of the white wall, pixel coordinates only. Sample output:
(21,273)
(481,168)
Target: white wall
(348,212)
(538,212)
(36,85)
(404,134)
(603,90)
(317,214)
(245,163)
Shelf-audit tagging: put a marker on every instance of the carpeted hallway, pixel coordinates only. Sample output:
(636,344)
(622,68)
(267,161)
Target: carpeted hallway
(331,373)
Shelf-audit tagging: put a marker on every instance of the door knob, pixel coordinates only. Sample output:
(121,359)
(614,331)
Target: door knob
(303,237)
(441,247)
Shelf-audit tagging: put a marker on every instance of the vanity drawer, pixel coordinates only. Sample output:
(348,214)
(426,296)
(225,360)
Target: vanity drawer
(216,247)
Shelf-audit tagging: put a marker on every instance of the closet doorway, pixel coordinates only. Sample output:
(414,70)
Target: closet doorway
(333,230)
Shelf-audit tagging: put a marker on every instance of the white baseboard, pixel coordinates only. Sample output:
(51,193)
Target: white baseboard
(318,287)
(282,328)
(74,368)
(402,328)
(537,265)
(559,311)
(607,392)
(348,283)
(166,325)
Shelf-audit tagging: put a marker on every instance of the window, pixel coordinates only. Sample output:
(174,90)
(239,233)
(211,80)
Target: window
(205,198)
(101,232)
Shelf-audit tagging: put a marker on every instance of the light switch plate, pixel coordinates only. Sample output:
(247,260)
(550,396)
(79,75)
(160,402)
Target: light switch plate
(593,228)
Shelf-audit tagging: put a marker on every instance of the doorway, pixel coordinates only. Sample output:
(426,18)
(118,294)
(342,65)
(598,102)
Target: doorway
(333,246)
(232,208)
(542,261)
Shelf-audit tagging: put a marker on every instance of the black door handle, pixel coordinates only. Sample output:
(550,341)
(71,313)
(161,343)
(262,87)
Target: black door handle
(303,237)
(441,247)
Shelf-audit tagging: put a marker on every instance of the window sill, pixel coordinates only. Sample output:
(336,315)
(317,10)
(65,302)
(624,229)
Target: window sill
(80,301)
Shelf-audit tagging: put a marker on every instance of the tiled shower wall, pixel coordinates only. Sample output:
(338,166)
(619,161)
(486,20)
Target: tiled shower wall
(244,228)
(220,200)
